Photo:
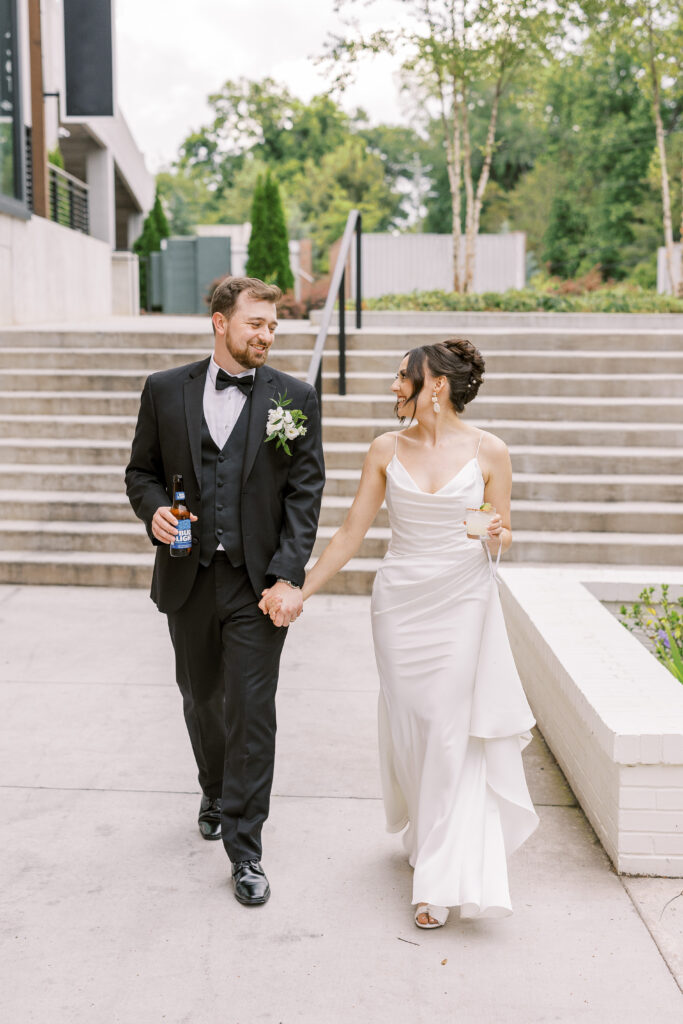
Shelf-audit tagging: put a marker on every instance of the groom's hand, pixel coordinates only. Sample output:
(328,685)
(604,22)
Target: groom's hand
(164,524)
(283,603)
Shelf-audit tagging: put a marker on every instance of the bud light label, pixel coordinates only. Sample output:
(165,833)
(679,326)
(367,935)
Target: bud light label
(184,537)
(179,496)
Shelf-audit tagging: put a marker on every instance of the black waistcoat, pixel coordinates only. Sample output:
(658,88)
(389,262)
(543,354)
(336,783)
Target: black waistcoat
(221,519)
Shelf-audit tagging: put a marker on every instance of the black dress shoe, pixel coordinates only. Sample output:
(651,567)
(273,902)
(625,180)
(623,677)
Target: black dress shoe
(250,883)
(209,819)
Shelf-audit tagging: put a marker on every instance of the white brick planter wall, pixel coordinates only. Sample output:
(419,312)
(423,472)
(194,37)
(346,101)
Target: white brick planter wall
(611,714)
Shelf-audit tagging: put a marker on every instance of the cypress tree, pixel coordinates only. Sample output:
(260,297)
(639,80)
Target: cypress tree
(268,252)
(154,229)
(278,232)
(258,264)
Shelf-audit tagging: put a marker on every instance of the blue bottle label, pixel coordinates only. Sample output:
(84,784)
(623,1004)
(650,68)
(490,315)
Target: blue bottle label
(184,536)
(179,496)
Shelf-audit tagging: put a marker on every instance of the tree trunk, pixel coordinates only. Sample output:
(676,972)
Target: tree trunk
(679,289)
(470,233)
(481,185)
(454,157)
(664,172)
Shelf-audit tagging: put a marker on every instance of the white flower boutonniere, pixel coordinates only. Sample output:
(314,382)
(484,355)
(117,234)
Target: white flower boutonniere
(284,424)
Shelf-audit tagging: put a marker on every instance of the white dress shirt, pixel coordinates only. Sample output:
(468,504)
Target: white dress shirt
(222,408)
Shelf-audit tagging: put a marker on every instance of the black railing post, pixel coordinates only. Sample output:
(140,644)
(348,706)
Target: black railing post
(359,271)
(319,386)
(342,334)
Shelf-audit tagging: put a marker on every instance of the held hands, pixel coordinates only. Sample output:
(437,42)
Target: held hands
(283,603)
(164,524)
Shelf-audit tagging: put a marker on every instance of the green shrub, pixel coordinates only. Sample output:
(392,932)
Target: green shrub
(620,298)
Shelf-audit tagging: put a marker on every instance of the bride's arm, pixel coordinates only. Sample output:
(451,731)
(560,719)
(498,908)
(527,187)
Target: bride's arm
(366,504)
(498,475)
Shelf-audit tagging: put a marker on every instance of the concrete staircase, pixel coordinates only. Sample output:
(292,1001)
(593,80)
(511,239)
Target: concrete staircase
(593,418)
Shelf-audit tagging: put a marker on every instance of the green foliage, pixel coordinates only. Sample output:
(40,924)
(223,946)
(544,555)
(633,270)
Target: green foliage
(660,622)
(618,299)
(564,239)
(268,252)
(154,229)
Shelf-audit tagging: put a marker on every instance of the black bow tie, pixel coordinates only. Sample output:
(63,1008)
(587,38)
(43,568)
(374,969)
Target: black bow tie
(224,380)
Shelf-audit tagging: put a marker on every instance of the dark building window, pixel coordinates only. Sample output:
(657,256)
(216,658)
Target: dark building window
(11,141)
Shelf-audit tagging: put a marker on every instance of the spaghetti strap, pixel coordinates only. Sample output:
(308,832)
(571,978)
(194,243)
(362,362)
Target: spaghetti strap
(396,442)
(481,434)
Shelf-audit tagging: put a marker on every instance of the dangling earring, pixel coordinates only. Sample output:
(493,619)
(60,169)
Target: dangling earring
(435,402)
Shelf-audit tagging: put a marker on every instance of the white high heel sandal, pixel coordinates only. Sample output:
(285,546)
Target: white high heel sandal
(440,915)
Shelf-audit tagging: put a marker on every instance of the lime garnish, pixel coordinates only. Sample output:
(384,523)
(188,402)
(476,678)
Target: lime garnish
(486,507)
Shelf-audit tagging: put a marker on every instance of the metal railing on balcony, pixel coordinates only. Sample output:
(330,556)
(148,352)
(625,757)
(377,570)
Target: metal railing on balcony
(68,200)
(336,292)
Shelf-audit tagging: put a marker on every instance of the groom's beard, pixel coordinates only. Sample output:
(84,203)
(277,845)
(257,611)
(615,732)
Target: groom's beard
(249,355)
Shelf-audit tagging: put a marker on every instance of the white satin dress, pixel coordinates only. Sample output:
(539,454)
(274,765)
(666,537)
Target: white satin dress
(453,717)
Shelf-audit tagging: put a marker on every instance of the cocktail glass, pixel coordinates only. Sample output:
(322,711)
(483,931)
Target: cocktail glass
(478,521)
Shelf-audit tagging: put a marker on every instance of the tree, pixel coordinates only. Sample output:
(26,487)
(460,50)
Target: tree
(450,50)
(154,229)
(268,252)
(653,33)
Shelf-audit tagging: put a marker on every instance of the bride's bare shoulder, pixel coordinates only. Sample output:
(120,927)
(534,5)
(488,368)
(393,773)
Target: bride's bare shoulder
(383,447)
(493,453)
(492,445)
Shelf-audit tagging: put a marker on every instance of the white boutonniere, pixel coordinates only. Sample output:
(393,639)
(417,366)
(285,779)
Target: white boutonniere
(284,424)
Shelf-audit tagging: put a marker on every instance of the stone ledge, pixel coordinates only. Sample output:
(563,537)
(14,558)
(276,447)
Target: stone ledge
(611,714)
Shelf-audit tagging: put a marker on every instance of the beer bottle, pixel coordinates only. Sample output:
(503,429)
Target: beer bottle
(181,546)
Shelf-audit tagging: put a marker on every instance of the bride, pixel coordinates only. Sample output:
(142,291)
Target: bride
(453,717)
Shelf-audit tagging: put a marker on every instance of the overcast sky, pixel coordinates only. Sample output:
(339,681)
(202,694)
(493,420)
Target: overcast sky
(171,54)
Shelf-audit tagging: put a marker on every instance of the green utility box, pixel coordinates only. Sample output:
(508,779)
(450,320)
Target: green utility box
(181,274)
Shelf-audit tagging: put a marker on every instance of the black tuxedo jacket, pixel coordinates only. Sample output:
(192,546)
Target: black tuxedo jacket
(280,494)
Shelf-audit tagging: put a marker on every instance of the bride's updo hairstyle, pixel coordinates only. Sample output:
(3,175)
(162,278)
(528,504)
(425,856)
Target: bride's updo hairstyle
(455,359)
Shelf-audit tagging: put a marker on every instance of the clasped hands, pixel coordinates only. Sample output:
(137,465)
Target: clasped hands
(283,603)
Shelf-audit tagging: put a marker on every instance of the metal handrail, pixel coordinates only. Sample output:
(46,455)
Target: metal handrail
(68,200)
(338,290)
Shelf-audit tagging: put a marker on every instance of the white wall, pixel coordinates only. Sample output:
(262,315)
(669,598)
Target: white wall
(50,273)
(406,263)
(663,285)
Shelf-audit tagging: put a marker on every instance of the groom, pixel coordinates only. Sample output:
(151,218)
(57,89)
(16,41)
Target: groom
(255,515)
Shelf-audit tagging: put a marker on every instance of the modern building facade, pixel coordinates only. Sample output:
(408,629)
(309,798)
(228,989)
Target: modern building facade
(65,231)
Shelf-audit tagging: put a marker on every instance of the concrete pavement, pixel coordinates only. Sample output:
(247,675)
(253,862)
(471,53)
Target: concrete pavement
(116,912)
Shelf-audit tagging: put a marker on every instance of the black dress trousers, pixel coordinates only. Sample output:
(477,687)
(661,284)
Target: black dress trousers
(227,663)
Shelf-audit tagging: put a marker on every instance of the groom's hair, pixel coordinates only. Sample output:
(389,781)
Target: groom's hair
(228,291)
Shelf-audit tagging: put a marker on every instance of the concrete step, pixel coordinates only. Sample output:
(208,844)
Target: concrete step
(536,545)
(548,458)
(64,451)
(76,568)
(120,569)
(34,477)
(163,334)
(502,340)
(70,403)
(64,536)
(365,429)
(528,385)
(521,339)
(72,506)
(584,516)
(512,407)
(574,409)
(86,428)
(72,380)
(616,385)
(568,516)
(560,487)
